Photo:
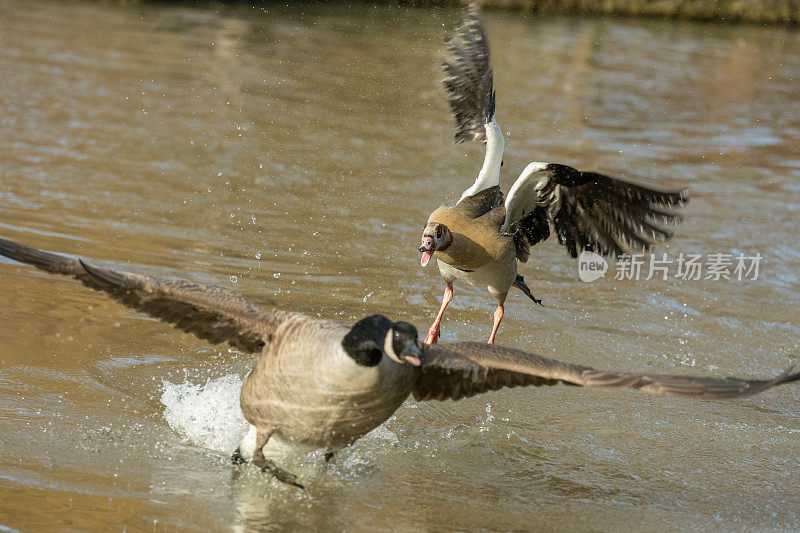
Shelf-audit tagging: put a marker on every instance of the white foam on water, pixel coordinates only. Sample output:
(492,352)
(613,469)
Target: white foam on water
(207,415)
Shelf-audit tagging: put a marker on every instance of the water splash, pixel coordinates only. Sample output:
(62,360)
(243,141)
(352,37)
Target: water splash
(488,422)
(206,415)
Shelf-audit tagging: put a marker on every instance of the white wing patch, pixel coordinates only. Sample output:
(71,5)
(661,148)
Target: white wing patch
(522,197)
(489,175)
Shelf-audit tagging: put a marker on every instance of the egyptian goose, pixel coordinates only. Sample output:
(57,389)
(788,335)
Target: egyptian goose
(323,384)
(480,239)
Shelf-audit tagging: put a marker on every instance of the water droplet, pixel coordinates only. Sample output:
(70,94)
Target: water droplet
(276,275)
(258,255)
(234,279)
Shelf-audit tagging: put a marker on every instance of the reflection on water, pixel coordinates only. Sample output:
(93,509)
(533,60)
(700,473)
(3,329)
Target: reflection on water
(292,153)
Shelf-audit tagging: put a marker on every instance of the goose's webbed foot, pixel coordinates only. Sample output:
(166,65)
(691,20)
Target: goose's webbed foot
(262,436)
(519,282)
(279,473)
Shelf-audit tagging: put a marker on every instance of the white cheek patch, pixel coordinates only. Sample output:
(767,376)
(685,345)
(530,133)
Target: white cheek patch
(388,347)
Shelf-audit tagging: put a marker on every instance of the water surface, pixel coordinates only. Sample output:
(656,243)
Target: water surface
(293,154)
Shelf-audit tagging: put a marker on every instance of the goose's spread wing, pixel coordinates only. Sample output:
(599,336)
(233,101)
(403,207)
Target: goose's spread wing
(468,77)
(214,314)
(588,211)
(462,369)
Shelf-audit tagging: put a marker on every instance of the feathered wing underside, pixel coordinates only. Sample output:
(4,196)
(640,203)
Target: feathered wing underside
(214,314)
(462,369)
(589,211)
(468,77)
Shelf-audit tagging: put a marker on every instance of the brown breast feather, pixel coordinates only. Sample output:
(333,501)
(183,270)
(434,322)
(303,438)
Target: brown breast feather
(476,241)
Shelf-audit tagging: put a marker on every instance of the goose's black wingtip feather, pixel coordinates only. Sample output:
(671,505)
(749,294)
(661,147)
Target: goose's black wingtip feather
(469,78)
(106,278)
(519,282)
(92,271)
(489,109)
(788,377)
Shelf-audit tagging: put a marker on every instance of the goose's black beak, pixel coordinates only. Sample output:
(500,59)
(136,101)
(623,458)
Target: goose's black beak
(412,353)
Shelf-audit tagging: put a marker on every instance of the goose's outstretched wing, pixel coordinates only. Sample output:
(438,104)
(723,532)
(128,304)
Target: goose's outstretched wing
(468,77)
(214,314)
(462,369)
(588,211)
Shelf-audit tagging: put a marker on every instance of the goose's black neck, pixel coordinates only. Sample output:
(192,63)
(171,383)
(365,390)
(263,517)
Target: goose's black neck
(365,339)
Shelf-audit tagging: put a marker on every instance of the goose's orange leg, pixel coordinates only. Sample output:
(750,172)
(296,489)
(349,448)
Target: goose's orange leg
(498,316)
(435,331)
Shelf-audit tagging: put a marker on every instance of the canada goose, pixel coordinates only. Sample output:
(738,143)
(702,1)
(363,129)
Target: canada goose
(323,384)
(481,238)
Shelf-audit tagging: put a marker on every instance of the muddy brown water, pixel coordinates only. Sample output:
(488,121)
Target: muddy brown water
(293,154)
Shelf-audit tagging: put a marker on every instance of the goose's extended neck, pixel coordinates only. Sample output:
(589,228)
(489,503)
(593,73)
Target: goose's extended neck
(489,175)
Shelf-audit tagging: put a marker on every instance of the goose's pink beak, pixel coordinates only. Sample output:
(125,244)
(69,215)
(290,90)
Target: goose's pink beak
(427,249)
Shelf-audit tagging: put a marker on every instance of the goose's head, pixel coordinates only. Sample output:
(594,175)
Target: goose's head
(435,236)
(375,336)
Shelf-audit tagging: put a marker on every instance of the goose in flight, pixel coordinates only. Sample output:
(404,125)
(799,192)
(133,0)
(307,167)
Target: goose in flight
(323,384)
(480,239)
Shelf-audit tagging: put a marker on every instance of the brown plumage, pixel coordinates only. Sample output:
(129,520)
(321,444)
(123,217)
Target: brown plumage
(476,241)
(480,239)
(306,389)
(458,370)
(214,314)
(323,384)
